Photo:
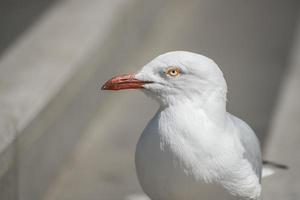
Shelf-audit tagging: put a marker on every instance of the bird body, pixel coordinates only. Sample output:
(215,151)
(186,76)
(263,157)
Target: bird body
(185,155)
(192,149)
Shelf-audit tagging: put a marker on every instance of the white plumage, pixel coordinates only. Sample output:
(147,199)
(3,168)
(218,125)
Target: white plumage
(192,149)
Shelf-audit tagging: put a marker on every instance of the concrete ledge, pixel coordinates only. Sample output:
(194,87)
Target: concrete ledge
(44,79)
(8,182)
(7,136)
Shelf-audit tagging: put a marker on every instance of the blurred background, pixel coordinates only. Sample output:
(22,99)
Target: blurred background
(61,138)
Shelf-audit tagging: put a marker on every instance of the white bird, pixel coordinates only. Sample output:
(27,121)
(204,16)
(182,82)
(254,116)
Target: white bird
(192,148)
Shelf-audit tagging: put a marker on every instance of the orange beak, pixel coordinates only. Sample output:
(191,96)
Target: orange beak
(124,82)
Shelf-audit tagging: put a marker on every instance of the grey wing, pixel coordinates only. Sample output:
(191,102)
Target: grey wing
(251,145)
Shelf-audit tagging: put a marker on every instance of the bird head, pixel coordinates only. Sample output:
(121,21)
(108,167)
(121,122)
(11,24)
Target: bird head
(175,76)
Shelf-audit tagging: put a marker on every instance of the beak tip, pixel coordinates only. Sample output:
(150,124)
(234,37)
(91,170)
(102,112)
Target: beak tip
(104,87)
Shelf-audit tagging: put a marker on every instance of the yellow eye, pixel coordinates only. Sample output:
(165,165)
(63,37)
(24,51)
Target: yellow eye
(173,72)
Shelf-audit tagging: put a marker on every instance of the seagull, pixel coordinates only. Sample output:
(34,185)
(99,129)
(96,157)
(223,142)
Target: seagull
(192,149)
